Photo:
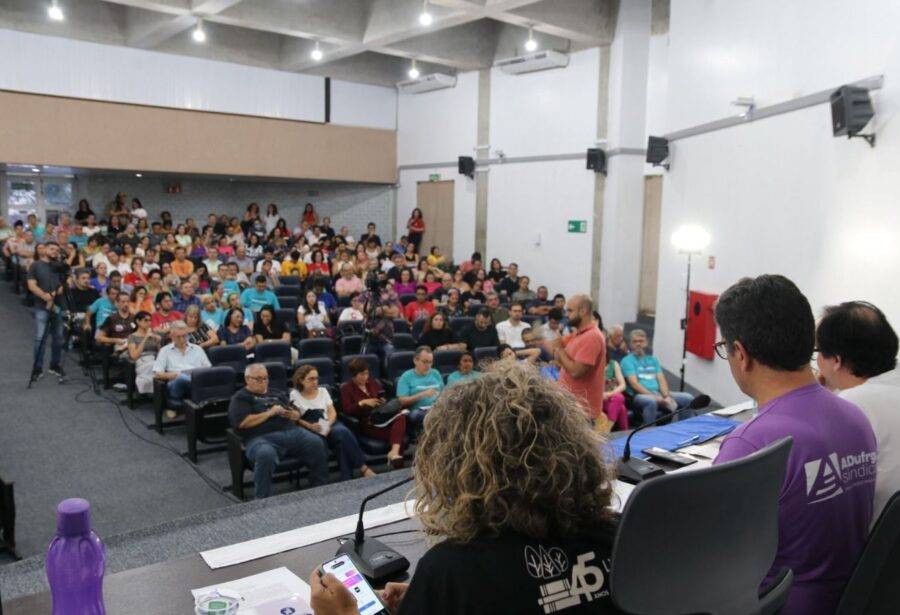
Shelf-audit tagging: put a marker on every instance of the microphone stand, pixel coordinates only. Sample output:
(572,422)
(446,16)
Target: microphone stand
(374,559)
(635,470)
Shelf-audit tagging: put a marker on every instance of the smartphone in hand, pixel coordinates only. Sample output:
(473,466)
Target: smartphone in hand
(367,601)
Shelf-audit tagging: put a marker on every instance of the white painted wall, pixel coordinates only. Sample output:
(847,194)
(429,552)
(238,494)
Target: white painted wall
(657,92)
(79,69)
(547,112)
(780,195)
(438,126)
(529,205)
(357,104)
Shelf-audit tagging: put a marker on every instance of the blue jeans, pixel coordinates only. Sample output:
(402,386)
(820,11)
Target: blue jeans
(648,407)
(266,451)
(344,443)
(178,389)
(43,319)
(415,420)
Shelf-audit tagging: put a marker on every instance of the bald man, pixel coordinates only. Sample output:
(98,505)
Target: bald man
(582,356)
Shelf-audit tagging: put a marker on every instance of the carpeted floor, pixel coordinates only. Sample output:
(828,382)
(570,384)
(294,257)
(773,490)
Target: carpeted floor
(59,441)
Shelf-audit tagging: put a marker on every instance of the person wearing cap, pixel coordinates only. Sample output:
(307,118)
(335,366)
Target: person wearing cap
(175,362)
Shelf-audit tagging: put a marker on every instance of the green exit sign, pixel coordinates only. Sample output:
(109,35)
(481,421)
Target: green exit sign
(434,177)
(578,226)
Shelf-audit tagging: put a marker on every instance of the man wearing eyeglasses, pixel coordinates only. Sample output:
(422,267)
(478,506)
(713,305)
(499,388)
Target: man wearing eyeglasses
(825,504)
(647,382)
(271,432)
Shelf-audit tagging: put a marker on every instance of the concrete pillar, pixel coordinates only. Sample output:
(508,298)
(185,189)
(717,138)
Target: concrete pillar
(623,193)
(483,151)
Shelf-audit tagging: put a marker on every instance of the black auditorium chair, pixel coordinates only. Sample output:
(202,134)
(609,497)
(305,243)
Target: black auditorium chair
(371,359)
(458,323)
(287,318)
(160,399)
(404,341)
(274,350)
(233,355)
(290,280)
(533,319)
(289,303)
(351,327)
(206,410)
(417,327)
(401,325)
(351,344)
(325,367)
(278,377)
(398,362)
(485,353)
(702,532)
(446,361)
(407,299)
(473,309)
(287,291)
(317,347)
(238,464)
(873,588)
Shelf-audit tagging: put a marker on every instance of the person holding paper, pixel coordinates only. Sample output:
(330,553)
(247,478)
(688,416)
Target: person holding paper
(320,417)
(270,432)
(419,387)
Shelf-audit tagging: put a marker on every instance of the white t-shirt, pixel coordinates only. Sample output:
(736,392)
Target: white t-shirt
(139,213)
(511,334)
(879,399)
(321,402)
(350,313)
(314,321)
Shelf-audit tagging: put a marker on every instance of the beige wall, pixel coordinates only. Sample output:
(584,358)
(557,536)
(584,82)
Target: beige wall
(36,129)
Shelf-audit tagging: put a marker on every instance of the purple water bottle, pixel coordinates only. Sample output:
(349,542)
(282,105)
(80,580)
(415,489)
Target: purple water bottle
(75,562)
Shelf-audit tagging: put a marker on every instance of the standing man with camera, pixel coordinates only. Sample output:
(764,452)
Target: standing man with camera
(46,281)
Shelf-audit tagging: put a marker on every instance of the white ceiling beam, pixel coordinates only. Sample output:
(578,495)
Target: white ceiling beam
(211,7)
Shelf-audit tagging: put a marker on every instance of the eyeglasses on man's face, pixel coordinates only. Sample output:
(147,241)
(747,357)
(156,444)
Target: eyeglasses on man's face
(721,349)
(258,378)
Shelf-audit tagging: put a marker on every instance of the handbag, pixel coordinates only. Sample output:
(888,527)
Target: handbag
(384,415)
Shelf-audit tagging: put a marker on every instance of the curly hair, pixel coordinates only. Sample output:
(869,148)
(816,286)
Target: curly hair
(510,451)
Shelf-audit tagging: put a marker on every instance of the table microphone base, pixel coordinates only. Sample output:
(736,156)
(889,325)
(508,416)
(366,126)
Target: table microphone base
(374,559)
(637,470)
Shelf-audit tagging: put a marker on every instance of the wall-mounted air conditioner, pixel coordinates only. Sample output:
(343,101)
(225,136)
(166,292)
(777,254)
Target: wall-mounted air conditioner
(539,60)
(427,83)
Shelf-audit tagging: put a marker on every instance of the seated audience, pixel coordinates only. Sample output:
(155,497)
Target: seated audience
(355,311)
(349,283)
(614,395)
(438,335)
(102,308)
(541,304)
(322,294)
(312,315)
(271,432)
(857,358)
(363,397)
(266,328)
(211,314)
(320,417)
(199,332)
(511,332)
(115,330)
(234,331)
(498,312)
(181,266)
(405,284)
(418,388)
(510,283)
(165,314)
(174,364)
(768,337)
(488,512)
(523,294)
(186,297)
(647,382)
(143,345)
(616,346)
(421,307)
(481,333)
(466,369)
(454,307)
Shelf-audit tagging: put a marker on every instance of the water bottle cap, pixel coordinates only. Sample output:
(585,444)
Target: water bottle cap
(73,517)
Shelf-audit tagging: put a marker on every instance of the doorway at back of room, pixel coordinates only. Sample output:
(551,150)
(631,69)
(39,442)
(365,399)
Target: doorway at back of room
(435,199)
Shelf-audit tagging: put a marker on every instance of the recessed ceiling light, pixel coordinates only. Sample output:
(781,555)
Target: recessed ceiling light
(531,44)
(199,34)
(138,175)
(425,17)
(55,13)
(35,170)
(316,54)
(413,71)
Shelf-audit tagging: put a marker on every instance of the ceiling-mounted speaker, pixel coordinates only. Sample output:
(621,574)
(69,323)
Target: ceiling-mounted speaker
(467,166)
(596,160)
(658,151)
(851,110)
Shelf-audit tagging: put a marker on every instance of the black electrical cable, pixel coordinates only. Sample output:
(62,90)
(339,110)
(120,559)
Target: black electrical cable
(115,402)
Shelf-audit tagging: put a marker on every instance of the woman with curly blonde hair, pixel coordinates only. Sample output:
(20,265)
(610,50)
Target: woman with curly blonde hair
(512,481)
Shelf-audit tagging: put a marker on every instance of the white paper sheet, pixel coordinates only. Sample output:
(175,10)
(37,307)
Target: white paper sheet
(707,450)
(267,592)
(621,493)
(735,409)
(301,537)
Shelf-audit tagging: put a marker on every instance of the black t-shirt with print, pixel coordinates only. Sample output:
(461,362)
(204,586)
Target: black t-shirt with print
(515,575)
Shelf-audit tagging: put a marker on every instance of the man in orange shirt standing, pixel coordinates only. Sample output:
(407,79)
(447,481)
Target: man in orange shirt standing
(582,356)
(181,266)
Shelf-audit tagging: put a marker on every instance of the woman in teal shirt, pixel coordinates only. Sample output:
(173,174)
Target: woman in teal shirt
(466,370)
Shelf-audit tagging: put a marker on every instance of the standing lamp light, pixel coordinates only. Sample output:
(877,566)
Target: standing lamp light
(688,239)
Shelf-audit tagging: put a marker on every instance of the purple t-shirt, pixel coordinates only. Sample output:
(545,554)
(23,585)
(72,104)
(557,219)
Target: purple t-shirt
(825,506)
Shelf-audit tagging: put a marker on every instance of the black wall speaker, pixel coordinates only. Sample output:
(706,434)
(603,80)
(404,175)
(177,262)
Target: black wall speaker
(467,166)
(596,160)
(657,150)
(851,110)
